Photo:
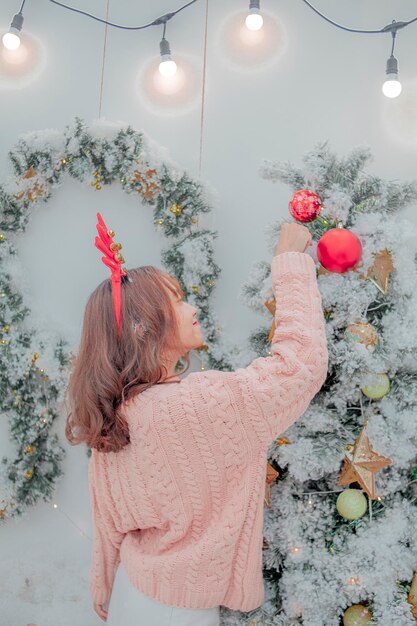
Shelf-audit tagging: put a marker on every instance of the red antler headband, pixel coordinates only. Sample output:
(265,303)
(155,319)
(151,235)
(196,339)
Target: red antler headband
(113,259)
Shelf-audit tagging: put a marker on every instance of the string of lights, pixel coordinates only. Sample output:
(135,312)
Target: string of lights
(254,21)
(163,19)
(357,30)
(392,86)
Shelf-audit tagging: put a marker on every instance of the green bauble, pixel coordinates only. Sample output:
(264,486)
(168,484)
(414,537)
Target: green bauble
(351,504)
(377,387)
(357,615)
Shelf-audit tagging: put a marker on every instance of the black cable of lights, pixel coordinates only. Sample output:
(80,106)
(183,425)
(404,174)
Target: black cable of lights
(394,26)
(163,19)
(16,27)
(394,34)
(392,86)
(164,47)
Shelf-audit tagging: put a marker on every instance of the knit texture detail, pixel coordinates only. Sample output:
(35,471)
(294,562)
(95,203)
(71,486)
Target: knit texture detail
(181,506)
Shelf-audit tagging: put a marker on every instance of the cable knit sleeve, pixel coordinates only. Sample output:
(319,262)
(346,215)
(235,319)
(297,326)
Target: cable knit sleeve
(278,389)
(106,538)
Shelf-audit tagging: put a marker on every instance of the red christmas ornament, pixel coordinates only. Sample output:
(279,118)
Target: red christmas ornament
(305,206)
(338,250)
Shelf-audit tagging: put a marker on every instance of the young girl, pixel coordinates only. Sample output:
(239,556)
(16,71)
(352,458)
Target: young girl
(178,465)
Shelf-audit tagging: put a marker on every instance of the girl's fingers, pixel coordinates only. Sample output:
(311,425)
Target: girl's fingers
(100,611)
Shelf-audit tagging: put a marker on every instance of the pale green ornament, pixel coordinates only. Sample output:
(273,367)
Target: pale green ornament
(351,504)
(357,615)
(377,386)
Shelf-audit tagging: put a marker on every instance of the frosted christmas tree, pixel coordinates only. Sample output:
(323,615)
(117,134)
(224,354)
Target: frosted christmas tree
(340,531)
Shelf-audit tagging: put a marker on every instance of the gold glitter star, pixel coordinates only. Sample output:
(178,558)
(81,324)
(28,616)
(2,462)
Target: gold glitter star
(361,464)
(379,273)
(270,305)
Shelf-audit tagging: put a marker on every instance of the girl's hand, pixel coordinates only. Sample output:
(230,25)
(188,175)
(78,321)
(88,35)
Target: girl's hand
(100,612)
(293,238)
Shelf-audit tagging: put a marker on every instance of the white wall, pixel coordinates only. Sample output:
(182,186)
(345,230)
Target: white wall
(325,85)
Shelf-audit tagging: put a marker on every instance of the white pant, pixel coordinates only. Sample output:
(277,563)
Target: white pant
(130,607)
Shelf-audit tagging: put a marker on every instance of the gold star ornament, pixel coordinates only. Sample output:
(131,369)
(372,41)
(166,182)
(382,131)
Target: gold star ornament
(271,475)
(270,305)
(361,464)
(380,270)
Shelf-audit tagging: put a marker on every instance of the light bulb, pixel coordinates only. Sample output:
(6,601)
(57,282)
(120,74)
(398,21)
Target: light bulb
(392,87)
(168,68)
(254,21)
(11,41)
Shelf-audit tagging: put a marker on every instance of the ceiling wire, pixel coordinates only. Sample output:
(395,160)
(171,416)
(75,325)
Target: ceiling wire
(163,19)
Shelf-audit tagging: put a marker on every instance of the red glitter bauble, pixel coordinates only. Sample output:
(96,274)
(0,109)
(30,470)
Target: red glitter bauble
(339,250)
(305,206)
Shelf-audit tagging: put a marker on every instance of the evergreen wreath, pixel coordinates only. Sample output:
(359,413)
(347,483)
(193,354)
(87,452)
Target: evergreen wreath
(101,154)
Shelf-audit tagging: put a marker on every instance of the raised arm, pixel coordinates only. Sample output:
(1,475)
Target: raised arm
(277,389)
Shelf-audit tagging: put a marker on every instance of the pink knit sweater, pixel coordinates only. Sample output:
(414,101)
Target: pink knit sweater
(181,506)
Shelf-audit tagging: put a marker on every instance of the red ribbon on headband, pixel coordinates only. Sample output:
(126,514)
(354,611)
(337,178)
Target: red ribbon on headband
(113,259)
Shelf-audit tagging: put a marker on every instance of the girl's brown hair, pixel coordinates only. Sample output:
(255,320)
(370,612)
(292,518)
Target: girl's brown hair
(109,371)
